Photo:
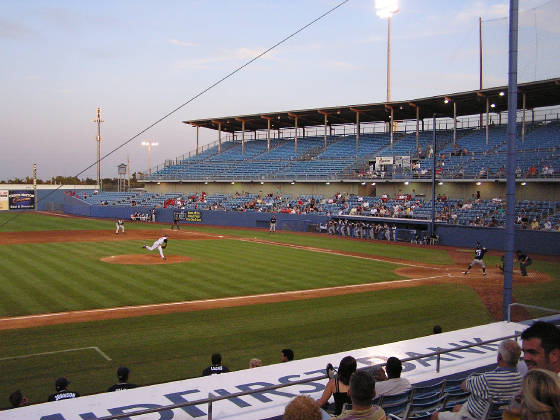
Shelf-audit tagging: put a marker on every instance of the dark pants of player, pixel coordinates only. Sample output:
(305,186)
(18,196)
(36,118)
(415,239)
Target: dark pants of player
(523,267)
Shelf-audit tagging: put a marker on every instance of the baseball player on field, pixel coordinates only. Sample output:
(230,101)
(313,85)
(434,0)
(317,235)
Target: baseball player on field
(478,258)
(160,244)
(120,225)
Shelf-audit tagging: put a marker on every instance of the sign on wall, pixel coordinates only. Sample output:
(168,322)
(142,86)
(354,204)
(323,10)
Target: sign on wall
(4,203)
(21,199)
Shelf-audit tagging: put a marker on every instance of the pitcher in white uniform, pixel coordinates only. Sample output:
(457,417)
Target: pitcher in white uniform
(160,244)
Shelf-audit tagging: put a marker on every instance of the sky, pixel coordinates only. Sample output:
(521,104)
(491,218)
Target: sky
(139,60)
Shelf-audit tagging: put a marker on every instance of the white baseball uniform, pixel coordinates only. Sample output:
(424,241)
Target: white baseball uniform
(120,225)
(157,244)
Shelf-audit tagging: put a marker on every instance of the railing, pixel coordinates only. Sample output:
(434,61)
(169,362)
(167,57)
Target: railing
(529,306)
(211,398)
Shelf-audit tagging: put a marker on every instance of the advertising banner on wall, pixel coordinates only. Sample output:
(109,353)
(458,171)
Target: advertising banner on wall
(21,199)
(4,203)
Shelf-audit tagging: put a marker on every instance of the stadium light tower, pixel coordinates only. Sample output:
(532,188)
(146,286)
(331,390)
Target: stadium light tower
(149,144)
(386,9)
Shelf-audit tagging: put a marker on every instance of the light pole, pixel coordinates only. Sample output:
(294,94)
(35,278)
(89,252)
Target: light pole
(149,144)
(98,120)
(386,9)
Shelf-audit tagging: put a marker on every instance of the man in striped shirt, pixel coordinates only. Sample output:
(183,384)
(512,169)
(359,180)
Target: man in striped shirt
(503,383)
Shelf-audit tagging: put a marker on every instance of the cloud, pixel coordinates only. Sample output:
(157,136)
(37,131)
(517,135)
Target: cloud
(15,31)
(344,65)
(181,43)
(243,53)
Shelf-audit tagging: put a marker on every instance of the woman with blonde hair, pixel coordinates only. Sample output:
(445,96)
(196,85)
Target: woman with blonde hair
(540,396)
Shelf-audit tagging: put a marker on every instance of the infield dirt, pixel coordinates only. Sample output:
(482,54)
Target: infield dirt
(489,288)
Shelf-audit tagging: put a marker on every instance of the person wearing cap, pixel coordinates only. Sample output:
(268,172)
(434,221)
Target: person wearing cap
(61,392)
(122,374)
(160,244)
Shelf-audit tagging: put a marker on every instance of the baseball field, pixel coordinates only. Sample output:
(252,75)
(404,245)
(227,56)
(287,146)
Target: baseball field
(79,301)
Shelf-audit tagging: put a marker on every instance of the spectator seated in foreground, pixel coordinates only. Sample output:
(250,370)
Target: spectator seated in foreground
(390,383)
(339,385)
(362,392)
(503,383)
(302,407)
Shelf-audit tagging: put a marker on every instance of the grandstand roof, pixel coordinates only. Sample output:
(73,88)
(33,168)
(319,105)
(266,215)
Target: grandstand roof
(537,94)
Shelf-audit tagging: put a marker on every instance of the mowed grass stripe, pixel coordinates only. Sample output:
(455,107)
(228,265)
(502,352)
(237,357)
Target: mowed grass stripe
(35,279)
(72,277)
(176,346)
(368,247)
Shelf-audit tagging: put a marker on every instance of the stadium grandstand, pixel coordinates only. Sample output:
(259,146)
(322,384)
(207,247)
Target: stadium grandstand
(366,164)
(395,198)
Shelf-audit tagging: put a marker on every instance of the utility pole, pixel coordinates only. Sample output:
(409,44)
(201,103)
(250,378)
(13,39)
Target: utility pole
(98,120)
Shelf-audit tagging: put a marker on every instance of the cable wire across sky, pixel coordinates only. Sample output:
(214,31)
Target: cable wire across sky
(196,96)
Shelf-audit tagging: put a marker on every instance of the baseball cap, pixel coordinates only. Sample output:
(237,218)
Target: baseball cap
(122,372)
(61,383)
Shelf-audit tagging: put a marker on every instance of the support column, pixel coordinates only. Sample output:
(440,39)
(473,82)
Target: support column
(487,118)
(454,126)
(325,134)
(417,127)
(219,138)
(295,117)
(197,140)
(523,122)
(268,123)
(391,127)
(243,137)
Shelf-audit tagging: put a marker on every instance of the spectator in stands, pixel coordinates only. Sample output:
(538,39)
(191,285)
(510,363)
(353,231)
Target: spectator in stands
(286,355)
(541,346)
(502,383)
(339,385)
(532,171)
(254,363)
(216,367)
(535,224)
(540,396)
(362,391)
(547,225)
(518,172)
(122,375)
(392,383)
(61,392)
(17,399)
(302,407)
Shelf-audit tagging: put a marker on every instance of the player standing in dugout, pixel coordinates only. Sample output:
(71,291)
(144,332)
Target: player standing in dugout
(478,258)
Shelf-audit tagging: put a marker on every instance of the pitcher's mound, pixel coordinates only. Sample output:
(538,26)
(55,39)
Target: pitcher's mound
(145,259)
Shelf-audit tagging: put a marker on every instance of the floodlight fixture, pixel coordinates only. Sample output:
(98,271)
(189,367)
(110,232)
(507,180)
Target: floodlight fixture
(502,93)
(386,8)
(149,144)
(479,183)
(440,183)
(492,105)
(406,182)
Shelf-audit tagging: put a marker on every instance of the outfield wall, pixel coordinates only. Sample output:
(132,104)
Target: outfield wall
(532,242)
(270,404)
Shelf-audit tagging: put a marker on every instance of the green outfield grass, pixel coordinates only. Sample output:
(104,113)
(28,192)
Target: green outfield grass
(42,278)
(177,346)
(64,276)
